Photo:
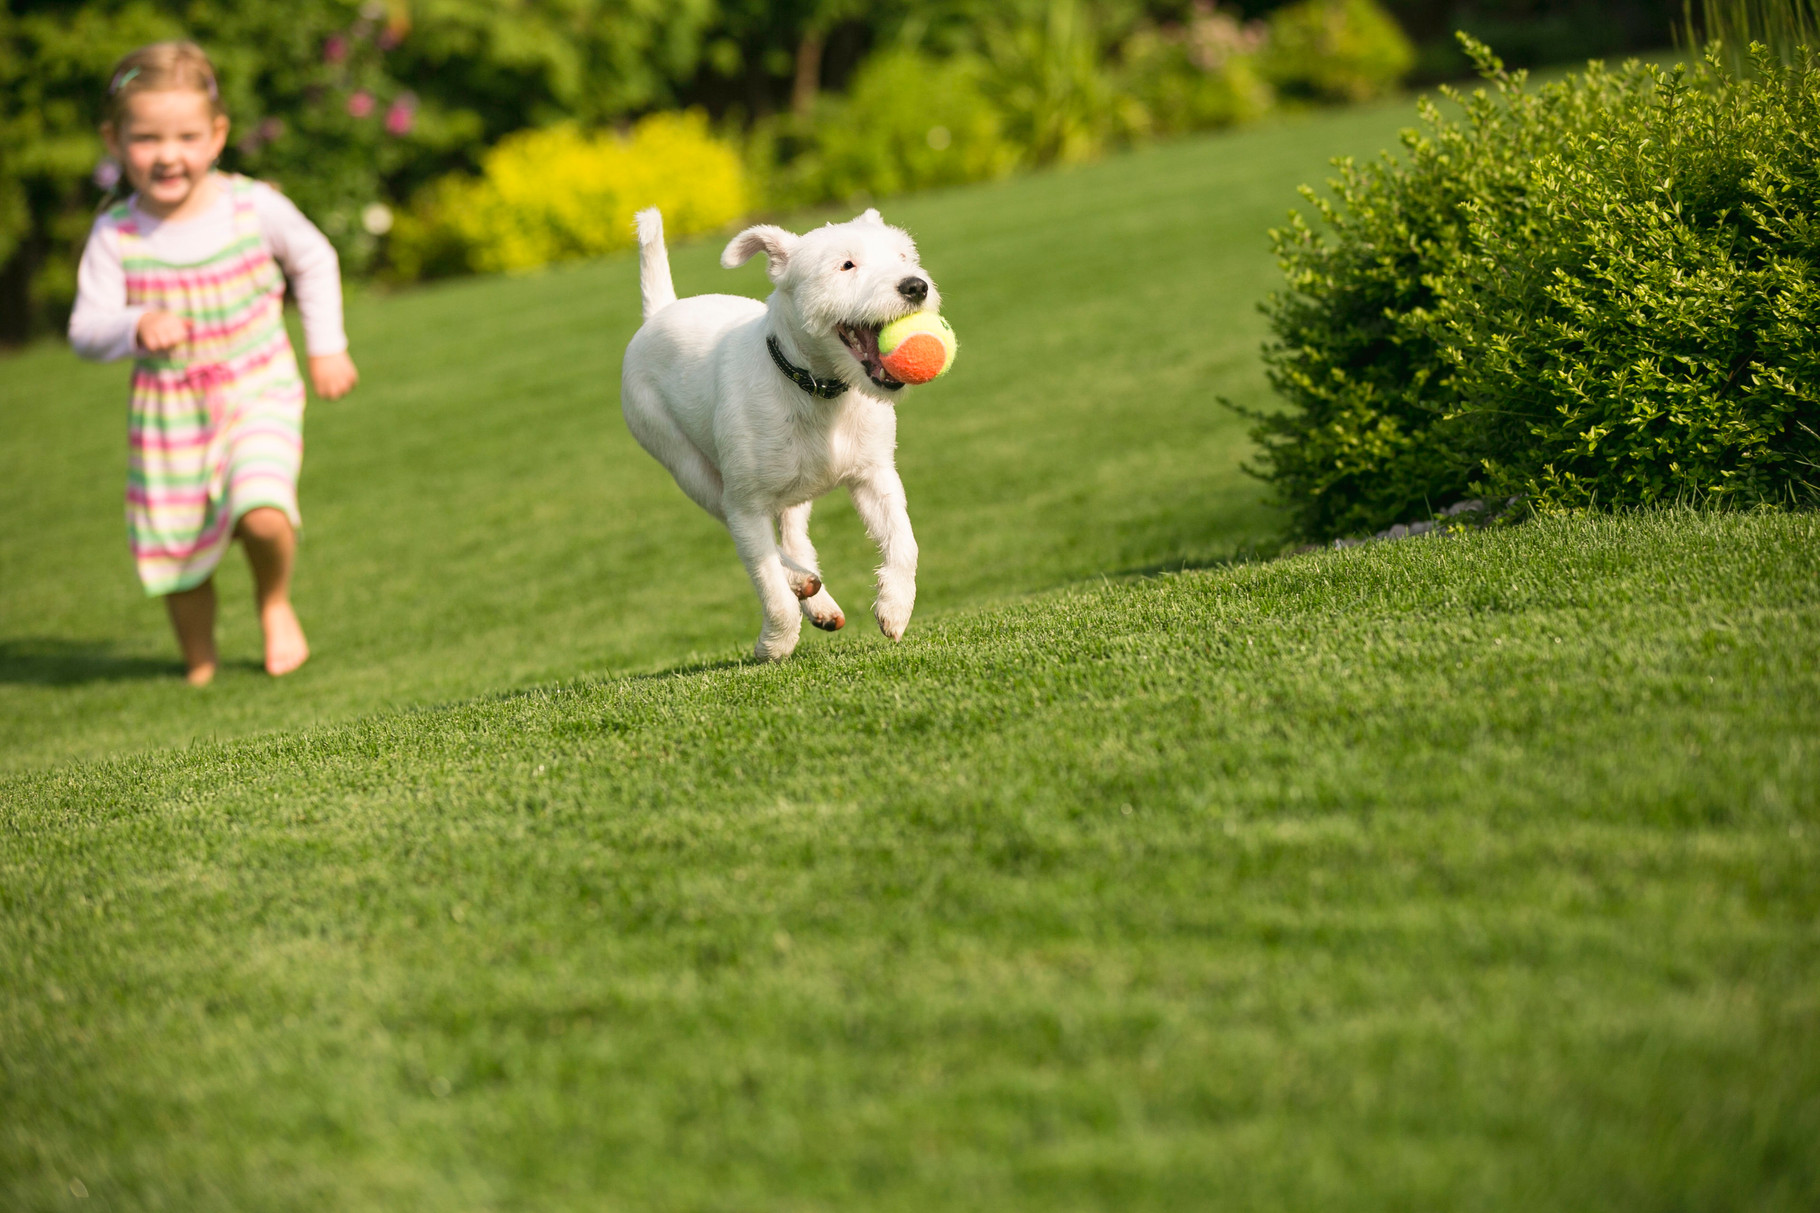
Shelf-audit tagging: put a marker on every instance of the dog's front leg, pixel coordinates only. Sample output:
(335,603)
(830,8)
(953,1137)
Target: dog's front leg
(885,510)
(757,546)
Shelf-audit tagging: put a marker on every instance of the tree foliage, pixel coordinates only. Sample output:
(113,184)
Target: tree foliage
(355,107)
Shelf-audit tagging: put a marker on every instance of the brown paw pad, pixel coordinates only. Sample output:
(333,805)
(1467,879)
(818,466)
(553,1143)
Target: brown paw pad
(832,623)
(809,588)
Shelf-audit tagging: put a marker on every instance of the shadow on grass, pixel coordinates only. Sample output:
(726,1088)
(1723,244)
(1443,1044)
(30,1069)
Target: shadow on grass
(41,661)
(1194,564)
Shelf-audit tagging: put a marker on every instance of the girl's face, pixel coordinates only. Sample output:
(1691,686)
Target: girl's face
(166,144)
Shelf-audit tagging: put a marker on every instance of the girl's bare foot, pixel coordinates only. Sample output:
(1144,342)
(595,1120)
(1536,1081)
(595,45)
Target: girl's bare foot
(285,647)
(192,613)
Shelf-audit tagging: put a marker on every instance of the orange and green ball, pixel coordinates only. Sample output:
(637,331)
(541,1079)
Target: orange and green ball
(917,348)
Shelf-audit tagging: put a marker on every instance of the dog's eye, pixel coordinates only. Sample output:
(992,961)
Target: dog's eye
(846,265)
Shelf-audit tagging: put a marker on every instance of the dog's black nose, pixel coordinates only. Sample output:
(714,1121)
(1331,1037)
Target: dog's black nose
(913,289)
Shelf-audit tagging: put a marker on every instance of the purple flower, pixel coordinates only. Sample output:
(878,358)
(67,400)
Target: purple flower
(360,104)
(107,173)
(402,115)
(270,130)
(335,48)
(388,38)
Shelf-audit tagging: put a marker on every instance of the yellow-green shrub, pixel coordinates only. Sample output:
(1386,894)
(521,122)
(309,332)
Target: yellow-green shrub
(1337,50)
(909,122)
(561,193)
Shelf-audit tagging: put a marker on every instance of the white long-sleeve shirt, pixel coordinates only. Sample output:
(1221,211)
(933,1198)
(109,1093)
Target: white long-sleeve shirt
(103,327)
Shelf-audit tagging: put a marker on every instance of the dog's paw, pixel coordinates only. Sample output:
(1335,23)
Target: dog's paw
(768,649)
(775,644)
(821,610)
(896,599)
(804,585)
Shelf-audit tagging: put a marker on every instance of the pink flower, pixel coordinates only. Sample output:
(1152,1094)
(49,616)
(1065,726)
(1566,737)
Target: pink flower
(402,115)
(388,39)
(334,48)
(360,104)
(270,129)
(107,173)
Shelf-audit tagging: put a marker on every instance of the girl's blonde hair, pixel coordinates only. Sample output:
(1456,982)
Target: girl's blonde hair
(161,67)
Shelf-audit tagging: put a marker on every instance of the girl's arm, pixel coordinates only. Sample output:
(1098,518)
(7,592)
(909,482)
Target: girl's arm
(102,326)
(310,262)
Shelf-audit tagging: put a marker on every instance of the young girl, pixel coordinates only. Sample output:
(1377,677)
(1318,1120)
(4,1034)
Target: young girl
(184,277)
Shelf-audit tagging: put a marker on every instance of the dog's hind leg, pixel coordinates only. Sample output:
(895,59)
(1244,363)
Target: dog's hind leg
(698,478)
(804,571)
(752,535)
(666,442)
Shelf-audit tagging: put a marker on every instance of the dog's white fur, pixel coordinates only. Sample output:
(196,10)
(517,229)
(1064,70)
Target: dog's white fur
(702,395)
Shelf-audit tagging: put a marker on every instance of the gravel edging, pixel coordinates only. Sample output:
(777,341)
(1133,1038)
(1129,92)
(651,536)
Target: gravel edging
(1460,516)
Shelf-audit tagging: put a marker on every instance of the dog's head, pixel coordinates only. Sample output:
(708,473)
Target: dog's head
(839,284)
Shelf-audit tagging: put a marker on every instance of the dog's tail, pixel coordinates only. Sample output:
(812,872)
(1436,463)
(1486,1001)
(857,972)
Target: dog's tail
(654,263)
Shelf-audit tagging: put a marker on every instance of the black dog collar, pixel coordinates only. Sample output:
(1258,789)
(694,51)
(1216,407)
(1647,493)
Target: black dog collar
(827,389)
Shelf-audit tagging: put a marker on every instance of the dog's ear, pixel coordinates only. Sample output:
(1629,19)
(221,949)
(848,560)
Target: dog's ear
(871,215)
(767,238)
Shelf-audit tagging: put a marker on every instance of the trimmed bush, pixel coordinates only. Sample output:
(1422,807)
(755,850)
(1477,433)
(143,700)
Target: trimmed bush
(559,193)
(1601,292)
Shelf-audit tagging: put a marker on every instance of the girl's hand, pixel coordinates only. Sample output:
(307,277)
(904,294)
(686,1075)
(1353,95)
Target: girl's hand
(333,375)
(161,331)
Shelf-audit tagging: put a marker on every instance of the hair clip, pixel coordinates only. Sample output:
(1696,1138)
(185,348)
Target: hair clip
(122,80)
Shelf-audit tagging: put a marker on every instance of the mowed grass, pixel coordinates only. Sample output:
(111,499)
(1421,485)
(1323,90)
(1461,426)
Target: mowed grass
(1474,873)
(477,517)
(1450,874)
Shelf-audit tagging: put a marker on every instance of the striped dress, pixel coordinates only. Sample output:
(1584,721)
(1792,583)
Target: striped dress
(216,424)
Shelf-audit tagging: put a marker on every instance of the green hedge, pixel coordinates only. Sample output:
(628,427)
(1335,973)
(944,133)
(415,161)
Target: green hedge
(1602,292)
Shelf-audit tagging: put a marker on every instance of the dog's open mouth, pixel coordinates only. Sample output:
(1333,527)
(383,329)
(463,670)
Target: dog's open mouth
(862,340)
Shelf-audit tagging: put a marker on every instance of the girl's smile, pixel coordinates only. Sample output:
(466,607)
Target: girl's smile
(167,145)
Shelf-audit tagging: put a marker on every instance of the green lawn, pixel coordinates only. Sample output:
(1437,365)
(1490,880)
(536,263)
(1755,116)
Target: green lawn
(1471,873)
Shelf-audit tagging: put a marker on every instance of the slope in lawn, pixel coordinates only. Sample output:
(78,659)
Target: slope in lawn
(1444,874)
(476,515)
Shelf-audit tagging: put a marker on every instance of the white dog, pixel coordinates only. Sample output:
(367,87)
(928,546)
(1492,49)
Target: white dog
(759,408)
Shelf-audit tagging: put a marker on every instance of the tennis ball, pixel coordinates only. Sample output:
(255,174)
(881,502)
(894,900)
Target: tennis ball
(917,348)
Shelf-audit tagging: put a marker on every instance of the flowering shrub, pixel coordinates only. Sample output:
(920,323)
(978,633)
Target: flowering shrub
(1602,292)
(348,105)
(559,193)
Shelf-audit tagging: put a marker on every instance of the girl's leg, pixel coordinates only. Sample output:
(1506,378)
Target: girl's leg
(271,548)
(193,616)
